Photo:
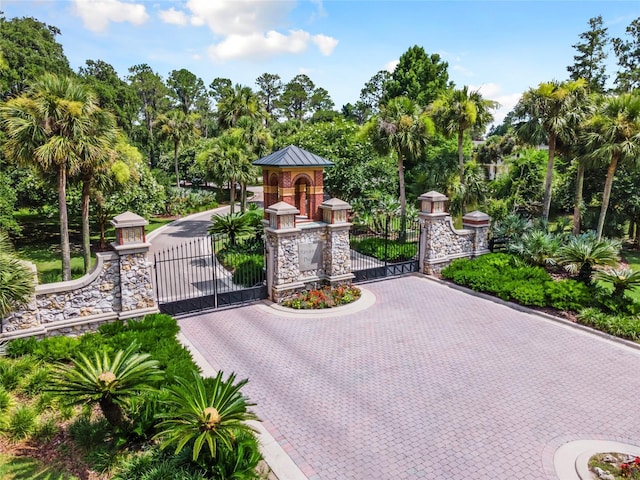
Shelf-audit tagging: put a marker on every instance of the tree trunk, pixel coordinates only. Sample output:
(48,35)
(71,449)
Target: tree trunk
(606,195)
(175,162)
(578,199)
(232,196)
(112,412)
(403,198)
(637,235)
(461,157)
(86,240)
(243,196)
(65,249)
(549,177)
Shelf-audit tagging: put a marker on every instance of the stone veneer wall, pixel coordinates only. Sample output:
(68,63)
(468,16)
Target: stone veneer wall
(441,243)
(118,287)
(334,268)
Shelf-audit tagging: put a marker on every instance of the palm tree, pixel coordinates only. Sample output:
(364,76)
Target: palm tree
(458,111)
(537,248)
(176,127)
(17,281)
(205,412)
(259,143)
(553,110)
(233,225)
(401,127)
(586,251)
(109,382)
(51,126)
(93,166)
(237,103)
(614,135)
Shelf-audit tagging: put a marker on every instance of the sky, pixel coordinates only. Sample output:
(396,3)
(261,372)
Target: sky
(500,47)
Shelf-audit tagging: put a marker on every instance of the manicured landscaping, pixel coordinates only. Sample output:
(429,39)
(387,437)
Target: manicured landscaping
(325,297)
(118,402)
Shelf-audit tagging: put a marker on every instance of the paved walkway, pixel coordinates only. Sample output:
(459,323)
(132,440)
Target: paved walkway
(429,382)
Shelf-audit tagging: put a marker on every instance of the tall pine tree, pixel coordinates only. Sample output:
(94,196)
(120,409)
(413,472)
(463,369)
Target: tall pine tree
(628,53)
(589,61)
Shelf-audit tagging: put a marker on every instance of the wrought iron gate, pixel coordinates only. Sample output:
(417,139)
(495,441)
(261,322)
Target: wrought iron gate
(384,246)
(190,277)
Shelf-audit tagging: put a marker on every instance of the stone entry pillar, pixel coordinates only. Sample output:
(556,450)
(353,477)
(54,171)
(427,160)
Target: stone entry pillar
(440,242)
(306,255)
(136,286)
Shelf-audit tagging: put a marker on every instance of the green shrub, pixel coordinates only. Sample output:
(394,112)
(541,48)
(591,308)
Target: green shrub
(526,293)
(89,434)
(10,373)
(22,422)
(54,349)
(35,382)
(396,251)
(21,346)
(624,326)
(5,399)
(250,272)
(568,295)
(45,429)
(240,461)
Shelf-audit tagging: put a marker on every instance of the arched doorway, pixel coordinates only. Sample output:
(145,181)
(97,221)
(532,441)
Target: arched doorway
(303,195)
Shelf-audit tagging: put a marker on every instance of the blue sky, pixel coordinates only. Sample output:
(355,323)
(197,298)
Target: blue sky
(502,47)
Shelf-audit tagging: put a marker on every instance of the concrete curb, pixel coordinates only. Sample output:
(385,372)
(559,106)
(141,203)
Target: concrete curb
(521,308)
(279,462)
(571,459)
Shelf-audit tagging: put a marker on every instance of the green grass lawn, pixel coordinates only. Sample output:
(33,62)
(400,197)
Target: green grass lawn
(20,468)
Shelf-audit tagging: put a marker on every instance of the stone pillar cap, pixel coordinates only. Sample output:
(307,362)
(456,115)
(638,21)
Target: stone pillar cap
(477,216)
(282,208)
(128,219)
(433,196)
(335,204)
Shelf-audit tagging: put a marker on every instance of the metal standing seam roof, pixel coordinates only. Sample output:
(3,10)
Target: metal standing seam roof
(293,156)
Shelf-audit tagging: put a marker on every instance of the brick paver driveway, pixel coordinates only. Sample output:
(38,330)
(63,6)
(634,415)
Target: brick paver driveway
(430,382)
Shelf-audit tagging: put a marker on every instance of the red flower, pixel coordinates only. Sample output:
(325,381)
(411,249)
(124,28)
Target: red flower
(637,461)
(624,466)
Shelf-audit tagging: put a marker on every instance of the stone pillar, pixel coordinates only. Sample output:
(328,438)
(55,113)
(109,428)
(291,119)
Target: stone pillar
(433,218)
(136,286)
(440,242)
(479,223)
(282,239)
(337,252)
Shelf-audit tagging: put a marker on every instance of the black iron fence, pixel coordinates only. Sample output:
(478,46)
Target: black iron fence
(384,246)
(209,272)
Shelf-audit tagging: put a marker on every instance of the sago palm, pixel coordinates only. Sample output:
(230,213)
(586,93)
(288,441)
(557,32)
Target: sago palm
(537,248)
(205,413)
(17,281)
(233,225)
(586,251)
(622,279)
(109,381)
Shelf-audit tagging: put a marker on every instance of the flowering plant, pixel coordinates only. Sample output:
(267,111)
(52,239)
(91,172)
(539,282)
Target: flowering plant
(325,297)
(631,469)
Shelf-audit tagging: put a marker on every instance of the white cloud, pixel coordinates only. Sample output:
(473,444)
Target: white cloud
(240,17)
(96,14)
(174,17)
(258,45)
(325,44)
(462,70)
(391,66)
(493,91)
